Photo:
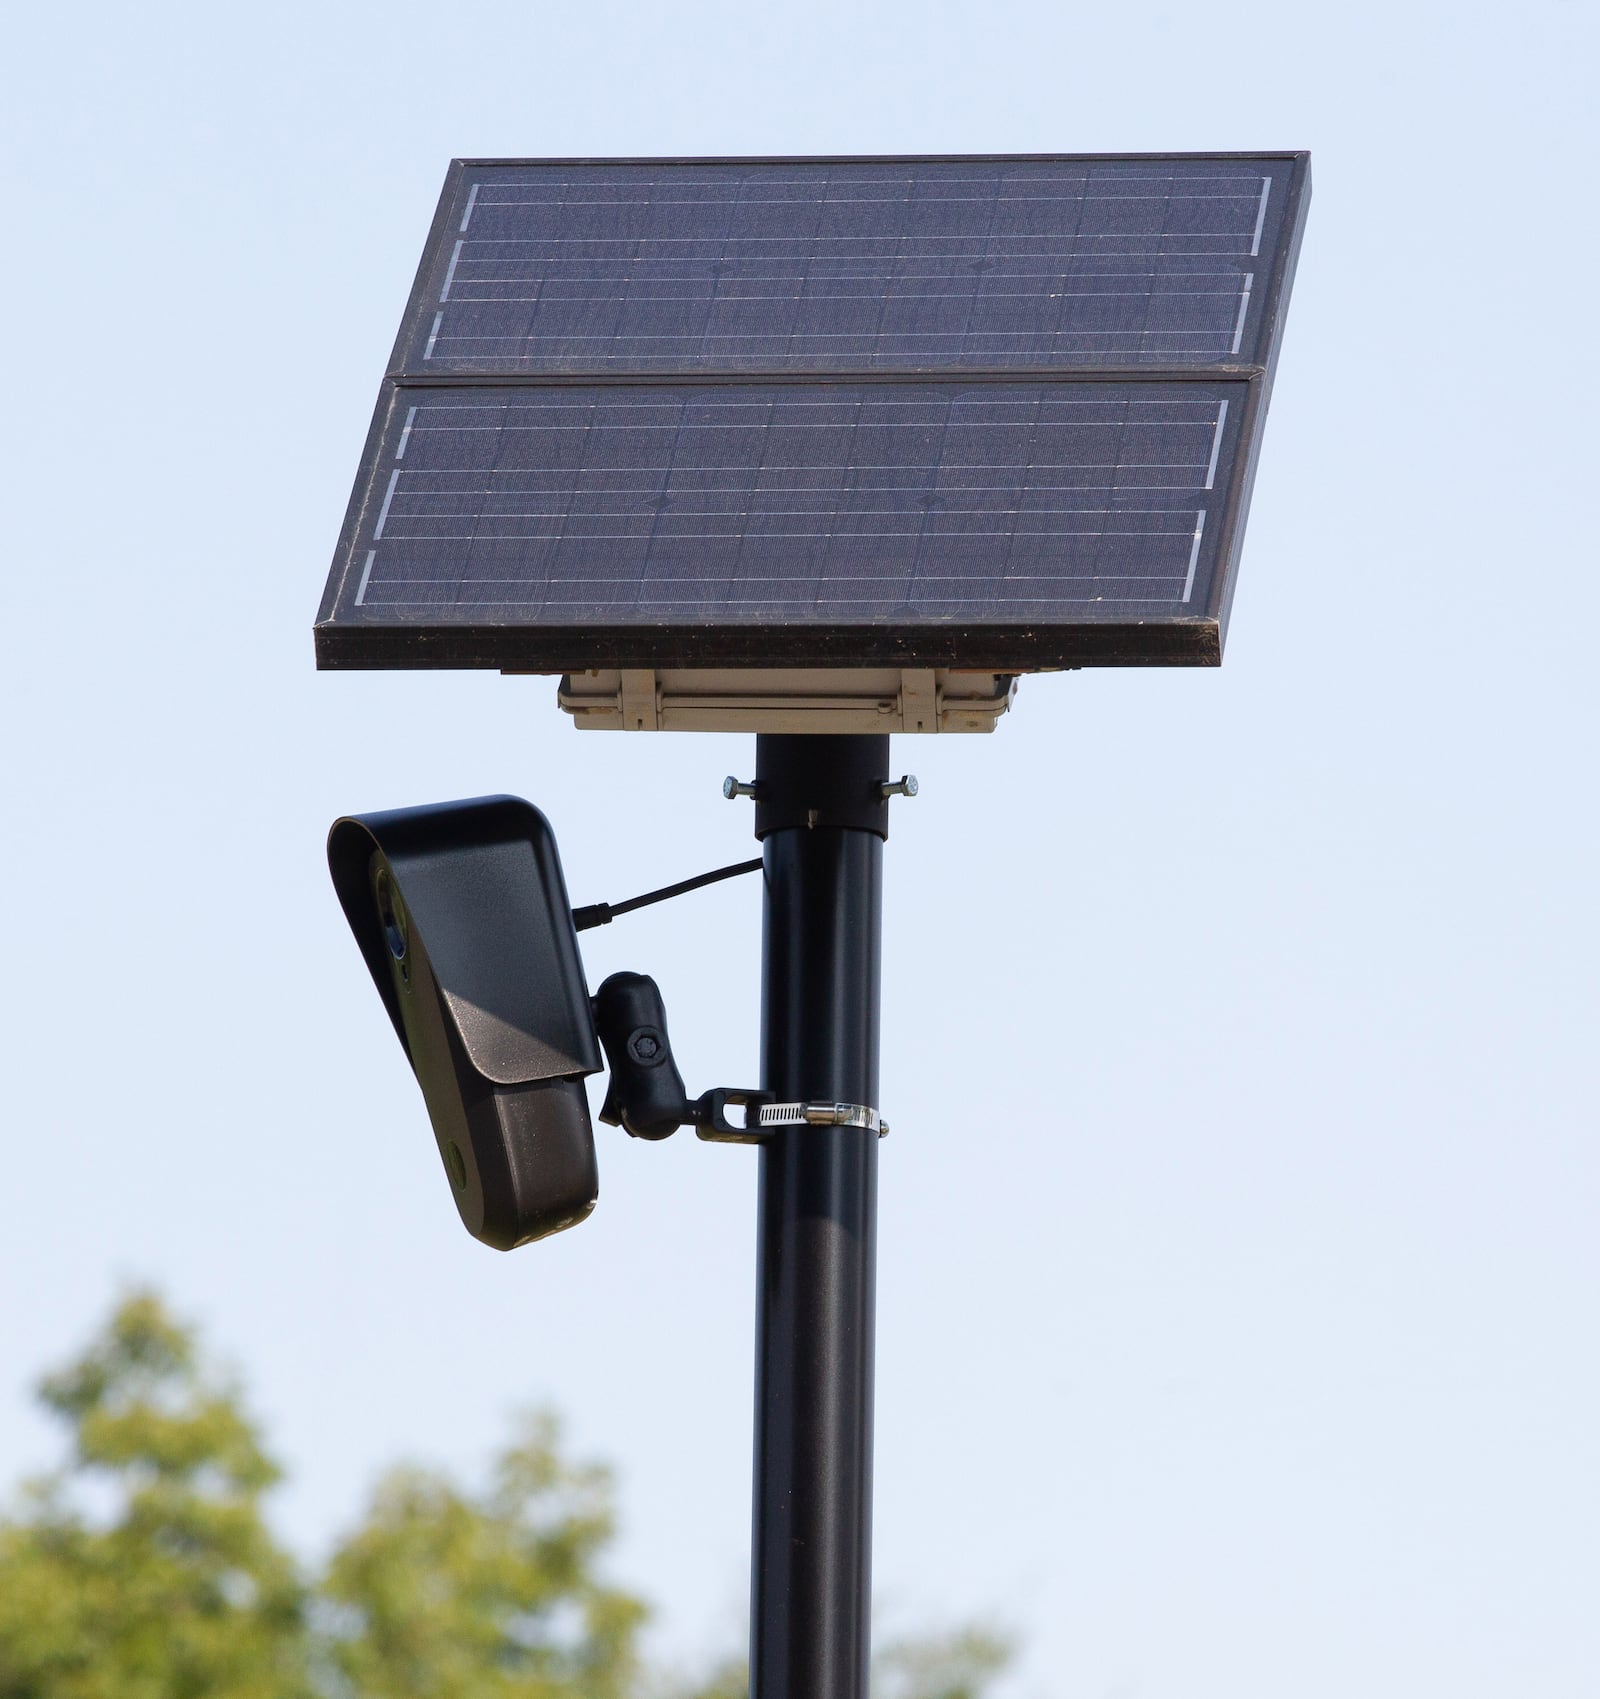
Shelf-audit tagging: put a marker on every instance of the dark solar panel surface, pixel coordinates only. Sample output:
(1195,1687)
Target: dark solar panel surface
(851,267)
(753,503)
(993,412)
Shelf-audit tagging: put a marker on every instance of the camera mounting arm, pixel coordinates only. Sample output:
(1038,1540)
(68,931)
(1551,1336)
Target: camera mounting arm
(646,1095)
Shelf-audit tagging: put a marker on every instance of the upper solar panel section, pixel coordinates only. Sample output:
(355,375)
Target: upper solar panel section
(854,267)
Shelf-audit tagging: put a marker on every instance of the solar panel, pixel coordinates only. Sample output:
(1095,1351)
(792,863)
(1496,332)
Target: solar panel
(995,413)
(637,506)
(859,267)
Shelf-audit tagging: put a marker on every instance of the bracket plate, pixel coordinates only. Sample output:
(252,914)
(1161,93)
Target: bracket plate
(844,699)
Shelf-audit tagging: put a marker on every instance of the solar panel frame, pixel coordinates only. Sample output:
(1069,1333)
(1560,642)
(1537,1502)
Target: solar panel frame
(350,638)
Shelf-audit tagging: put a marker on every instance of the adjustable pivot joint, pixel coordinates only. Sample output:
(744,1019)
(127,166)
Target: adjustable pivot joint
(646,1095)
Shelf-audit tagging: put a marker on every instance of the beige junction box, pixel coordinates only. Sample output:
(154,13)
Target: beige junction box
(843,699)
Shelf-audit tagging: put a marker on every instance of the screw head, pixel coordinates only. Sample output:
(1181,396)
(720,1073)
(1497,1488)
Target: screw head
(645,1045)
(905,785)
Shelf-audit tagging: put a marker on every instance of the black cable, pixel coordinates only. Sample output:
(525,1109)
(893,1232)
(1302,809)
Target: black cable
(602,914)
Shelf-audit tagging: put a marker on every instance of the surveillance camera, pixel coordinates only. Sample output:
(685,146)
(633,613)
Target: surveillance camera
(462,915)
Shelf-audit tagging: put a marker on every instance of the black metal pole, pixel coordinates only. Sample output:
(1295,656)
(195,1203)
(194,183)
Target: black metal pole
(822,818)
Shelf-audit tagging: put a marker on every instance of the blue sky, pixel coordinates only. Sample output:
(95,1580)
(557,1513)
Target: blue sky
(1238,1262)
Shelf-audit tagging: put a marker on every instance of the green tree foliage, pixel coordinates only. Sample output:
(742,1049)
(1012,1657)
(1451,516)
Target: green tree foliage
(176,1590)
(443,1596)
(955,1665)
(143,1568)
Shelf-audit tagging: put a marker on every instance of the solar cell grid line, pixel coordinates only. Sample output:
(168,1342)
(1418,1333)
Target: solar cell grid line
(589,268)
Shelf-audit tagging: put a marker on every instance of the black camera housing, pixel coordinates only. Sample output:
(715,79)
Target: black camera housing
(462,915)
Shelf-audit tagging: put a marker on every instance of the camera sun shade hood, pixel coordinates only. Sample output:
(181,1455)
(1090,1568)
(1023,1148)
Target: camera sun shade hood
(483,888)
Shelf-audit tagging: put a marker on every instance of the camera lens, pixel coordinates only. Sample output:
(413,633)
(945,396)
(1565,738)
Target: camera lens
(394,931)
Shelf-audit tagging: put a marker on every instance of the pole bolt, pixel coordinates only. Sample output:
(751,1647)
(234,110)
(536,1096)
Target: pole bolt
(906,785)
(732,787)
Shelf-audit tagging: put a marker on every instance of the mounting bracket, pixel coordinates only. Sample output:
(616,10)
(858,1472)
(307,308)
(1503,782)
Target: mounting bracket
(646,1097)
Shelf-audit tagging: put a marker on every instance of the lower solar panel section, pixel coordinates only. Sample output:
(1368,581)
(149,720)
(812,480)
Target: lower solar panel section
(538,525)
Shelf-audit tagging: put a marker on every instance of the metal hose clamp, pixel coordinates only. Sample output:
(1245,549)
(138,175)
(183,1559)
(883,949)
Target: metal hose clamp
(709,1115)
(822,1115)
